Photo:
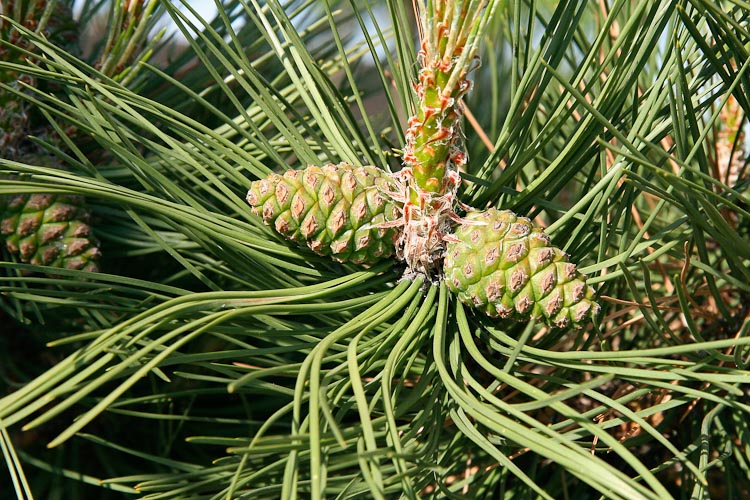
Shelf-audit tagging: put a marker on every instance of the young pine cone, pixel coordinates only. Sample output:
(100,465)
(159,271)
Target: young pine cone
(50,230)
(337,210)
(505,266)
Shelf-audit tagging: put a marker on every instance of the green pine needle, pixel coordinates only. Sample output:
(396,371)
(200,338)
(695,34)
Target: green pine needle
(212,360)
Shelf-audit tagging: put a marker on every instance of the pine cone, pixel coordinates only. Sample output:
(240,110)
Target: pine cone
(505,266)
(335,209)
(50,230)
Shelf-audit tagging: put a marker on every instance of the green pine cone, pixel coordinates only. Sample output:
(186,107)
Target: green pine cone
(50,230)
(505,266)
(336,210)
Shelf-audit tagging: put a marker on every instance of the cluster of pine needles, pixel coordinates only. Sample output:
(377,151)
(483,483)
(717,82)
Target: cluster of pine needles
(209,359)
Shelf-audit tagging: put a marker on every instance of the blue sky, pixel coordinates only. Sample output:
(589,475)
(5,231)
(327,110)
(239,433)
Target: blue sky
(206,8)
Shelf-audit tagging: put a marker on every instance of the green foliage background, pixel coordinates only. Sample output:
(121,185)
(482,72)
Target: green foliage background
(212,360)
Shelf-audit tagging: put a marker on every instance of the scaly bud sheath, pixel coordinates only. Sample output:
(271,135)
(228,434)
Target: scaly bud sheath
(450,31)
(449,43)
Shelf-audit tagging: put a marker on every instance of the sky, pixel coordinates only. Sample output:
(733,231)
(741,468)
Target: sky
(206,8)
